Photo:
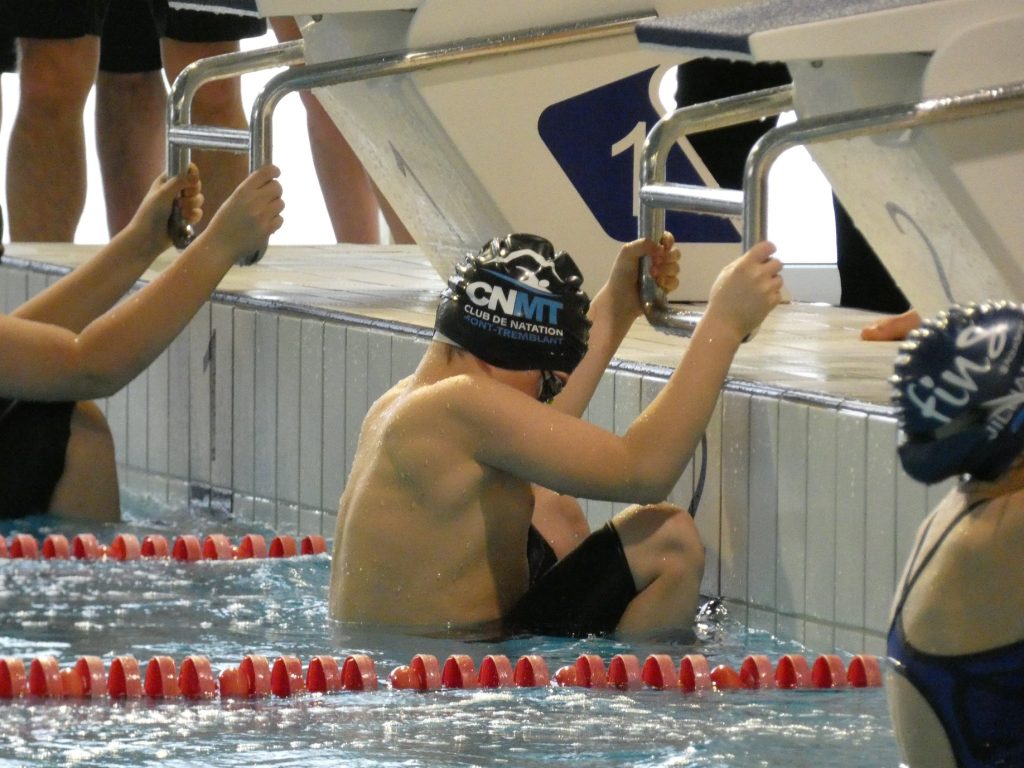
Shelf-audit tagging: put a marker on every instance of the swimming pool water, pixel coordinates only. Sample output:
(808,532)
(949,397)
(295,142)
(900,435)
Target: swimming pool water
(225,610)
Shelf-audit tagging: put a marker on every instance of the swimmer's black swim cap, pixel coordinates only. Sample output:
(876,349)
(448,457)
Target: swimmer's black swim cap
(517,305)
(960,392)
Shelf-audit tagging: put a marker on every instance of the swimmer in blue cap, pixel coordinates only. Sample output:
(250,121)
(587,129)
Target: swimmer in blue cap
(460,511)
(956,686)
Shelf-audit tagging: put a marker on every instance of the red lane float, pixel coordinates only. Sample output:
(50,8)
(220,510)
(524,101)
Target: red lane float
(161,680)
(44,678)
(756,672)
(694,673)
(828,672)
(255,677)
(13,682)
(429,671)
(359,673)
(256,672)
(531,671)
(283,546)
(92,674)
(495,672)
(792,671)
(23,546)
(459,671)
(155,545)
(313,545)
(725,678)
(85,547)
(216,546)
(252,546)
(196,679)
(659,671)
(125,546)
(187,549)
(125,678)
(286,677)
(864,671)
(56,547)
(624,672)
(323,675)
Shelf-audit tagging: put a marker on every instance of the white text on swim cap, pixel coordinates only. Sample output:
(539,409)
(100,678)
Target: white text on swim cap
(514,302)
(958,380)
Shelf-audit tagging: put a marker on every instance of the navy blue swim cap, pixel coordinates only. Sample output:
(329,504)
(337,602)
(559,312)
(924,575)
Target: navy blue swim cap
(517,305)
(960,393)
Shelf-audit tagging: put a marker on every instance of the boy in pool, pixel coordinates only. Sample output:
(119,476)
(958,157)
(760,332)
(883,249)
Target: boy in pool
(457,460)
(70,343)
(956,685)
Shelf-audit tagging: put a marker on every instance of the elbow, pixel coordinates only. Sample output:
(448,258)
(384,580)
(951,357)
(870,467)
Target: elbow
(652,485)
(100,375)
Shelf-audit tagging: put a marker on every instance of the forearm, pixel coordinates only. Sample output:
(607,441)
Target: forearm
(93,287)
(666,435)
(121,343)
(606,335)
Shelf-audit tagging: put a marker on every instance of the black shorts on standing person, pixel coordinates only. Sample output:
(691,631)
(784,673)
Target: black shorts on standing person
(864,281)
(60,19)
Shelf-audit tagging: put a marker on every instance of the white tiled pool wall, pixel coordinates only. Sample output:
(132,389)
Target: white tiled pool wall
(255,411)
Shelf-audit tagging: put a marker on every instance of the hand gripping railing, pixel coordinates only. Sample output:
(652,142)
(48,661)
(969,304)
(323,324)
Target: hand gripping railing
(657,196)
(753,202)
(182,135)
(381,65)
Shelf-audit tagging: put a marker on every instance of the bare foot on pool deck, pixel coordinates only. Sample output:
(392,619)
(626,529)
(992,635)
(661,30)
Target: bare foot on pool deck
(891,328)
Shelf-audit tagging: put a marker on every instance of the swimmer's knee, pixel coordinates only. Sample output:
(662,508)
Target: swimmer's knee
(88,487)
(661,540)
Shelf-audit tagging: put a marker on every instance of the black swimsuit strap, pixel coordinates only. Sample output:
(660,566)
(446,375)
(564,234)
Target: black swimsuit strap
(914,573)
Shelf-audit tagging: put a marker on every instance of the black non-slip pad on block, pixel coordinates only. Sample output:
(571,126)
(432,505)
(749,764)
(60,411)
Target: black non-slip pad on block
(729,29)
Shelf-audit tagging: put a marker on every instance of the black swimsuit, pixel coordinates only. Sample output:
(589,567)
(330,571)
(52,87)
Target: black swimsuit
(978,697)
(33,443)
(584,593)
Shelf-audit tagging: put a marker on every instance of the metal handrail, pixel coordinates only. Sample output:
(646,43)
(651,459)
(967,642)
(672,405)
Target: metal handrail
(657,196)
(803,132)
(182,136)
(394,63)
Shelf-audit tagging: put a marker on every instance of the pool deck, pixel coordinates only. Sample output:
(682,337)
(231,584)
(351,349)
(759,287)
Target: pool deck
(803,350)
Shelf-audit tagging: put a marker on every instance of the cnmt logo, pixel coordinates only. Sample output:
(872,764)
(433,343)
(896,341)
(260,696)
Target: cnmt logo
(514,302)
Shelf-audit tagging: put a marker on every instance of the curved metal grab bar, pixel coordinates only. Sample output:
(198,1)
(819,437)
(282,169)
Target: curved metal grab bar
(399,62)
(656,196)
(812,130)
(181,136)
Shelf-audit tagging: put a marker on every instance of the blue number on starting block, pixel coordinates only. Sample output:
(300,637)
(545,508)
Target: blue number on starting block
(596,138)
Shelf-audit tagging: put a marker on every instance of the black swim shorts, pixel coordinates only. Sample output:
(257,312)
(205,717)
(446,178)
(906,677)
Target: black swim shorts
(585,593)
(33,443)
(61,19)
(8,53)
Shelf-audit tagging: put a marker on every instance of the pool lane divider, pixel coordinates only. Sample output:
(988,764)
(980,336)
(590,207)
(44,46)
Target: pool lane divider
(184,548)
(258,677)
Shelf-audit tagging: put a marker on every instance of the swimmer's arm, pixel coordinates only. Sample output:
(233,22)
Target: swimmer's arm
(95,286)
(571,456)
(47,362)
(613,311)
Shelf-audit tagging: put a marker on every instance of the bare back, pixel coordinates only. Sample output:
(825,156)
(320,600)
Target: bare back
(426,535)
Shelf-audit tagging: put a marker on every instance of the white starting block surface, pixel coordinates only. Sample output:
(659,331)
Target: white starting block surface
(939,204)
(545,141)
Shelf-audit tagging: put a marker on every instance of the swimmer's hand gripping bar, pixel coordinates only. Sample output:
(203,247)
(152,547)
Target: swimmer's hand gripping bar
(657,195)
(182,136)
